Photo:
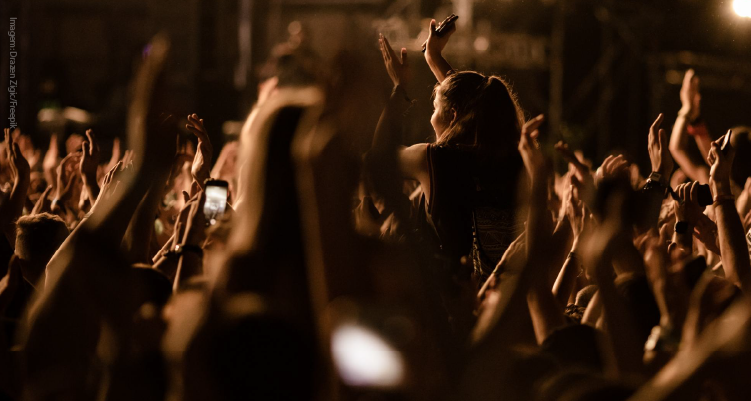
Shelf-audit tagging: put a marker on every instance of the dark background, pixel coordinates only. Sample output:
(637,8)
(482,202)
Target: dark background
(600,69)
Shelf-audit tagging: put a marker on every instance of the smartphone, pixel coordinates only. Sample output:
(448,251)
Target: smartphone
(446,25)
(726,142)
(216,200)
(442,28)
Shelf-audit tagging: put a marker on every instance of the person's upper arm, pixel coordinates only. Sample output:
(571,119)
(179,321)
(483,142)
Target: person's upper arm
(413,162)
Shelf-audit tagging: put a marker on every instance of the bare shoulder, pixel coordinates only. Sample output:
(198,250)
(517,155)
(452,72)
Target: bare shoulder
(413,160)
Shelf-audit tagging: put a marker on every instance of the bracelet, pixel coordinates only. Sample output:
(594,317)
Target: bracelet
(722,198)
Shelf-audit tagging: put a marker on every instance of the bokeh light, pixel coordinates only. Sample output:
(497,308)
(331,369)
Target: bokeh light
(742,8)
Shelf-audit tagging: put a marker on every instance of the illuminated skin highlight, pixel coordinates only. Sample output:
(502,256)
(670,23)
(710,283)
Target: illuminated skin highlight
(438,120)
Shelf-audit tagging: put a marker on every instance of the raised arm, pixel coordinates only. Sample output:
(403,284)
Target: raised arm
(689,113)
(13,207)
(566,280)
(191,245)
(387,162)
(87,280)
(433,48)
(735,258)
(88,166)
(201,168)
(545,312)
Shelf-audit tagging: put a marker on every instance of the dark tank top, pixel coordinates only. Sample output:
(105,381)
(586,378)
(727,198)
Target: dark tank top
(472,204)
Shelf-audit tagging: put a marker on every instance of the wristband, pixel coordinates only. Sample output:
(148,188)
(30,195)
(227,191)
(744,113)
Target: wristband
(722,198)
(699,129)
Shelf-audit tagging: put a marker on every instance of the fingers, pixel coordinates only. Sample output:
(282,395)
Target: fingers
(404,55)
(657,124)
(91,142)
(392,54)
(195,125)
(17,155)
(432,28)
(46,192)
(532,126)
(382,46)
(688,78)
(663,139)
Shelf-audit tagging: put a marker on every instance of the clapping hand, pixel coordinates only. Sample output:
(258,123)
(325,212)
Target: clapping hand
(201,169)
(396,66)
(529,148)
(721,162)
(659,150)
(612,167)
(690,96)
(67,177)
(19,167)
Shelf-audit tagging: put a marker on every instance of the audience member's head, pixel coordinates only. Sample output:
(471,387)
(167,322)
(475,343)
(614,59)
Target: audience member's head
(475,110)
(37,239)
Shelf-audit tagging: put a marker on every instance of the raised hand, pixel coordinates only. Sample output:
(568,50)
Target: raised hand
(436,43)
(396,65)
(582,179)
(733,247)
(50,162)
(67,179)
(688,208)
(721,162)
(89,164)
(575,212)
(612,167)
(16,161)
(201,169)
(690,96)
(12,208)
(529,148)
(659,150)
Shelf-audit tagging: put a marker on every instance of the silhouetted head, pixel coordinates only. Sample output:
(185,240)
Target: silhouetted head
(37,239)
(476,110)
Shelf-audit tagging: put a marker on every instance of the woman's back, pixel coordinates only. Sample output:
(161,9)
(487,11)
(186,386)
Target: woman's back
(470,193)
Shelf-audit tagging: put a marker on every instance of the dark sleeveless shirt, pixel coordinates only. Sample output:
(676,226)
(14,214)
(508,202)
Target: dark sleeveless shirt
(468,193)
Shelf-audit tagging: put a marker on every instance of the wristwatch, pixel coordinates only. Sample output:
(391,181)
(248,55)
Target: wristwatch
(656,177)
(181,249)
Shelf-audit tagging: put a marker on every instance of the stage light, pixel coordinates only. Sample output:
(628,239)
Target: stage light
(364,359)
(742,8)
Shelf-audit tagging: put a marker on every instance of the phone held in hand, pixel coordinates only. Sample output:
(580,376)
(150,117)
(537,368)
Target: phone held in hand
(446,25)
(216,200)
(442,28)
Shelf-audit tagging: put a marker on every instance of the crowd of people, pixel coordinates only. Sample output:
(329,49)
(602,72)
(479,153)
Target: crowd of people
(466,268)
